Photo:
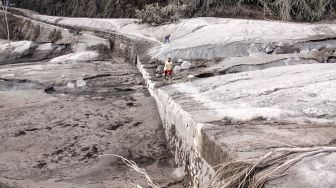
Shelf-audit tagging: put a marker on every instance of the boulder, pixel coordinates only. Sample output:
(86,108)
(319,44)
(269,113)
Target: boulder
(70,85)
(269,49)
(80,83)
(177,69)
(159,69)
(45,50)
(186,65)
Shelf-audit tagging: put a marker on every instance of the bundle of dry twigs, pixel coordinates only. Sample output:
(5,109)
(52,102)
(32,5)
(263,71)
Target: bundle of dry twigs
(255,173)
(135,167)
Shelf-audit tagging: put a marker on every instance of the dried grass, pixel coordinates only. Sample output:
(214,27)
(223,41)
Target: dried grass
(135,167)
(255,173)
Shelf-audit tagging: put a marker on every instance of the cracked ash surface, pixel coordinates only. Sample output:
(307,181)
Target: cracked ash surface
(58,118)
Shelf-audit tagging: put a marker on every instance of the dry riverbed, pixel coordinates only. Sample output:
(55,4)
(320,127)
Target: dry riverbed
(58,119)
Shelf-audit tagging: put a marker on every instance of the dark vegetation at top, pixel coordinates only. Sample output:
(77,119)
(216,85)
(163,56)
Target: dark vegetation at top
(161,11)
(85,8)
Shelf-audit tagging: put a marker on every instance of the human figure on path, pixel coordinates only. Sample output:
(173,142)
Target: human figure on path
(168,69)
(167,39)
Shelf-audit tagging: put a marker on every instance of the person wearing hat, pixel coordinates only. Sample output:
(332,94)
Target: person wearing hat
(168,68)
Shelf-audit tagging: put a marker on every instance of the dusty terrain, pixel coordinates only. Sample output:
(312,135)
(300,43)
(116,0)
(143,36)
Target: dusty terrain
(241,89)
(57,119)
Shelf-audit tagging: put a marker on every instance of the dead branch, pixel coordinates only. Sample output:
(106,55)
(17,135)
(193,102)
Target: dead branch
(255,173)
(135,167)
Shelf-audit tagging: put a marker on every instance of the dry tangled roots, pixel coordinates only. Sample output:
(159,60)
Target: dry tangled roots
(255,173)
(135,167)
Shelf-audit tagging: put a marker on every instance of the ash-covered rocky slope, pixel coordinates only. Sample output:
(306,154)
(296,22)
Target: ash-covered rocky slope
(66,105)
(255,94)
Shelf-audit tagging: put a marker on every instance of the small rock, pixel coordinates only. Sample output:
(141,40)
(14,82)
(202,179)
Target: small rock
(115,126)
(58,152)
(58,49)
(85,148)
(40,164)
(49,90)
(136,124)
(186,65)
(92,153)
(130,104)
(179,61)
(80,83)
(304,52)
(177,69)
(46,47)
(269,49)
(159,69)
(191,76)
(70,85)
(20,133)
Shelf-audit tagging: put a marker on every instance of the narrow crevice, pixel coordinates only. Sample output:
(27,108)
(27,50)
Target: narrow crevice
(205,75)
(97,76)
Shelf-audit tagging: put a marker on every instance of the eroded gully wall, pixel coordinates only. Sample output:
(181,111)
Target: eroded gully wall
(185,136)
